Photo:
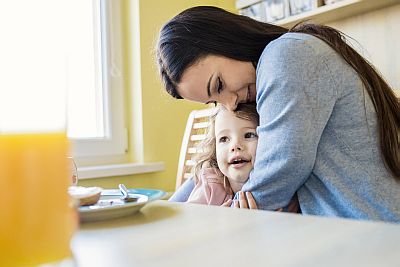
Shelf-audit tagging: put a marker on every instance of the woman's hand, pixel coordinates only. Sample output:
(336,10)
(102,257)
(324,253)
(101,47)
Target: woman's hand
(246,201)
(293,206)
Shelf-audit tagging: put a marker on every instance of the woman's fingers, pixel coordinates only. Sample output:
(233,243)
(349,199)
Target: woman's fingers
(242,201)
(251,201)
(246,201)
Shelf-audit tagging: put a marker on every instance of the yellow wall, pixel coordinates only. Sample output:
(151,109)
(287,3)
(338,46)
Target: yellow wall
(164,118)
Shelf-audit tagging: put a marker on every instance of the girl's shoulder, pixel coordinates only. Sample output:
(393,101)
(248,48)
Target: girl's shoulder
(210,188)
(211,175)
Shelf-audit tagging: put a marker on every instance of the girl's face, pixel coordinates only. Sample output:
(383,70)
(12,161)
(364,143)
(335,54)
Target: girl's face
(219,79)
(236,143)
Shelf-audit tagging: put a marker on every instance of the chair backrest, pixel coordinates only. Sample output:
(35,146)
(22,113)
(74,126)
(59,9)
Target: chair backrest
(195,132)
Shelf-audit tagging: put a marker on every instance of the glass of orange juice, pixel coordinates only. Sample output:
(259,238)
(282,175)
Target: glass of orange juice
(37,219)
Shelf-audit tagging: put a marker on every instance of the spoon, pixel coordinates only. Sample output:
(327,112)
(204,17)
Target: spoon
(125,194)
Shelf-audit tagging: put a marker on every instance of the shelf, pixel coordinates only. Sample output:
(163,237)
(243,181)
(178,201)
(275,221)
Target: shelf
(245,3)
(328,13)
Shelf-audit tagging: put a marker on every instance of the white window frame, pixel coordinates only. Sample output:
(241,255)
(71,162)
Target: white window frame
(109,157)
(114,147)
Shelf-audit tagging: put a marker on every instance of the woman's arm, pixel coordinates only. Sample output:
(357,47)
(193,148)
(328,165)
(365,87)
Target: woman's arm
(183,192)
(295,98)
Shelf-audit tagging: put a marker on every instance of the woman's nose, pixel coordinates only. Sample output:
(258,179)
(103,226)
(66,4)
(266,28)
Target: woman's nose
(230,102)
(231,106)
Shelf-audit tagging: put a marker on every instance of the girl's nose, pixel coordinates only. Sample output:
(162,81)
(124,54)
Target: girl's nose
(236,147)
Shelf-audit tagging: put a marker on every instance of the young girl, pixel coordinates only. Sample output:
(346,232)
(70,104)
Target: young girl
(227,157)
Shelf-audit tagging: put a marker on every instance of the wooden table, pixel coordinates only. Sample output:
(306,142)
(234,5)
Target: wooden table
(174,234)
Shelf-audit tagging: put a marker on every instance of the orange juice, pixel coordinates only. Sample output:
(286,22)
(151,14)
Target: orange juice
(36,218)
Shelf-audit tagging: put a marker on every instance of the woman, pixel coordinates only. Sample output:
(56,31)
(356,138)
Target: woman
(329,124)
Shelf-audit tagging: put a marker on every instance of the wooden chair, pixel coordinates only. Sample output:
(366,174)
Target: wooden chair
(195,132)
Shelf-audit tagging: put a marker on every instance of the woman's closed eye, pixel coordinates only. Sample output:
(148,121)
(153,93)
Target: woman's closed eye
(218,89)
(219,85)
(250,135)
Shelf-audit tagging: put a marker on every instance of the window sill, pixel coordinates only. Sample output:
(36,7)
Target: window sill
(90,172)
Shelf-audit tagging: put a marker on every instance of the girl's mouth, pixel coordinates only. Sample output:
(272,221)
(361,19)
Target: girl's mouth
(239,165)
(238,162)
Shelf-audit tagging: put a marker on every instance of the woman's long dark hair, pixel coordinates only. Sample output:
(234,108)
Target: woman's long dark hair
(204,30)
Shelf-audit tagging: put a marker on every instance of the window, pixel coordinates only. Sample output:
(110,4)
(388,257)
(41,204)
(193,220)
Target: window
(95,121)
(52,46)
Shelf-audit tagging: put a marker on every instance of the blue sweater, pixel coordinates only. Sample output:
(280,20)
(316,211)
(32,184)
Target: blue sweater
(318,136)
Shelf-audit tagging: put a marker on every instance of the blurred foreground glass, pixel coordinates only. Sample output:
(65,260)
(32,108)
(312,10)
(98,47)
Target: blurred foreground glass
(37,219)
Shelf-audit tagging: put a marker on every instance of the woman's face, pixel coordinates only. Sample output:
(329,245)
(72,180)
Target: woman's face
(219,79)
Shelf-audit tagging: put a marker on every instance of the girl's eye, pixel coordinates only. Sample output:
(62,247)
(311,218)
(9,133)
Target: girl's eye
(250,135)
(219,85)
(223,139)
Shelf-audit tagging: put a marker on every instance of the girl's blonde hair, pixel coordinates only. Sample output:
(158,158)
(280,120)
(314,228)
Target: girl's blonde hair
(207,148)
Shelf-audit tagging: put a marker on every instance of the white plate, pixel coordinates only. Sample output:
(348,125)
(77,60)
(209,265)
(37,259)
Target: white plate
(110,206)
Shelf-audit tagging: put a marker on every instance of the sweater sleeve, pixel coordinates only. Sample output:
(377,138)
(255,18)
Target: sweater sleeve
(295,98)
(183,192)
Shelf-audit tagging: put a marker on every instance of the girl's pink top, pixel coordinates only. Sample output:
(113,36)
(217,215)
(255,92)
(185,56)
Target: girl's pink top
(209,188)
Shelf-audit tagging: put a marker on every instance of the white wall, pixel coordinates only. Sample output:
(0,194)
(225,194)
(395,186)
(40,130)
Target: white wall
(378,34)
